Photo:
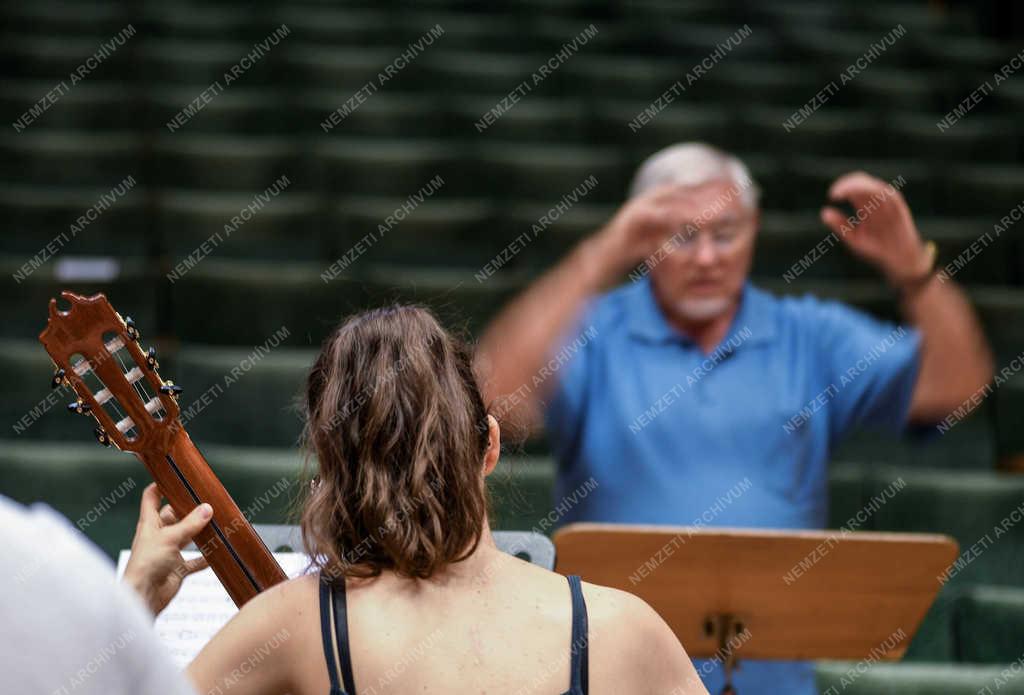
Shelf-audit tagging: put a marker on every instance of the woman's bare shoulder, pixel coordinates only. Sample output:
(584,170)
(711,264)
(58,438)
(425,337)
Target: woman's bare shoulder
(635,645)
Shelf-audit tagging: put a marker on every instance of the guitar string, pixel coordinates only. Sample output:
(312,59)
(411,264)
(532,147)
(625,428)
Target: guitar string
(140,390)
(112,401)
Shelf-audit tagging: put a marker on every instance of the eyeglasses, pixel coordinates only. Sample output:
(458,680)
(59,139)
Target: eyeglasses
(723,236)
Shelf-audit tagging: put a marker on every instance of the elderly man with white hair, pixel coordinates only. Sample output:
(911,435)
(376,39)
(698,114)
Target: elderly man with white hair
(688,382)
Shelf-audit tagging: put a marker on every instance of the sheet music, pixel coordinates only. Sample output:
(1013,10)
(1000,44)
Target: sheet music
(202,606)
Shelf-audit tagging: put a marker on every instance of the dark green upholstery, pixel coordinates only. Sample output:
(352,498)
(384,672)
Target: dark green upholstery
(988,624)
(854,678)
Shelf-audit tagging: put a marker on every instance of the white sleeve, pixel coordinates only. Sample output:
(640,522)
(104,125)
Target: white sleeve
(76,629)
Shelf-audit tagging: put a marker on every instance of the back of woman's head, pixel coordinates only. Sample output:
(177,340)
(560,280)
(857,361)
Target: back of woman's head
(398,427)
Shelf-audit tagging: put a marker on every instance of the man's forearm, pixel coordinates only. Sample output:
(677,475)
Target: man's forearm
(955,357)
(519,341)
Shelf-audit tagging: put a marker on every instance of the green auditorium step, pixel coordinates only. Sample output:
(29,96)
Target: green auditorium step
(872,678)
(988,624)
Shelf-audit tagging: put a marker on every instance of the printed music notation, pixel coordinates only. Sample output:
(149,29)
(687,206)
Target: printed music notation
(202,607)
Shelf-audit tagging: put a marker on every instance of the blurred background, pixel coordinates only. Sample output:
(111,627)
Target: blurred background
(238,177)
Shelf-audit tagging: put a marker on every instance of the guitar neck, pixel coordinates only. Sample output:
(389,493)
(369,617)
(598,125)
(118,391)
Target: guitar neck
(236,553)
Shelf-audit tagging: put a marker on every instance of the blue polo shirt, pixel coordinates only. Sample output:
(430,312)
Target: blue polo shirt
(737,437)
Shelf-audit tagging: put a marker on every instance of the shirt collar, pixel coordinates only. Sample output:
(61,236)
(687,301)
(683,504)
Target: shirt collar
(754,323)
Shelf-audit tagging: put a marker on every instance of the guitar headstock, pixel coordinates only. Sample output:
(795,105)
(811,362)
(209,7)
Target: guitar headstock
(97,353)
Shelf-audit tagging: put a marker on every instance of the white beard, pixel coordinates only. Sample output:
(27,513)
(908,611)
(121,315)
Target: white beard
(703,309)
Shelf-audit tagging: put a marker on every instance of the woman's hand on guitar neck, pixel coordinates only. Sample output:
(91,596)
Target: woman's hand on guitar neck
(156,567)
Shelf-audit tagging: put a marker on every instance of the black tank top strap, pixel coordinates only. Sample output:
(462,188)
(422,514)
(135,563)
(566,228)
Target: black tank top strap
(580,659)
(341,631)
(327,634)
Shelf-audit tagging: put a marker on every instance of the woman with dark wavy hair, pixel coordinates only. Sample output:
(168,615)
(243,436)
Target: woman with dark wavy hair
(411,593)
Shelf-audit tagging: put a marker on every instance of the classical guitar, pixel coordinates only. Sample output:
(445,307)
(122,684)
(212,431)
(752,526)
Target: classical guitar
(97,353)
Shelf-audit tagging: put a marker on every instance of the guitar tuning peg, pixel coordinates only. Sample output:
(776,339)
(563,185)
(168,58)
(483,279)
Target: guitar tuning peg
(101,436)
(80,407)
(151,359)
(59,379)
(131,330)
(169,388)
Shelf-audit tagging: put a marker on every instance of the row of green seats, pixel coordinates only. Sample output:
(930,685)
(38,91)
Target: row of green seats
(98,491)
(836,131)
(262,296)
(358,166)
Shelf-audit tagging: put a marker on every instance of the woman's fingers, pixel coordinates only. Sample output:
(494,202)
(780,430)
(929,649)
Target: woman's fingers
(195,565)
(167,515)
(185,530)
(150,504)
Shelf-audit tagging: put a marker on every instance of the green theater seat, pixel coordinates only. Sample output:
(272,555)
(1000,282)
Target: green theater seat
(854,678)
(68,158)
(546,174)
(336,67)
(826,131)
(391,168)
(991,190)
(975,139)
(893,88)
(131,288)
(236,111)
(644,128)
(381,116)
(537,237)
(337,26)
(810,178)
(62,19)
(92,105)
(244,395)
(216,22)
(99,489)
(54,58)
(735,80)
(437,232)
(37,215)
(531,120)
(1009,414)
(201,63)
(975,508)
(988,624)
(465,73)
(614,77)
(238,225)
(227,162)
